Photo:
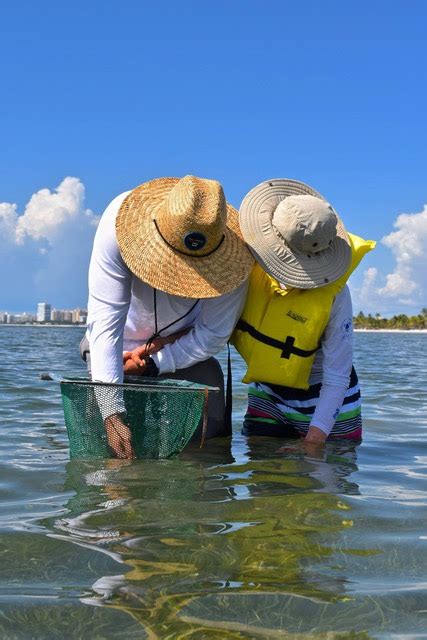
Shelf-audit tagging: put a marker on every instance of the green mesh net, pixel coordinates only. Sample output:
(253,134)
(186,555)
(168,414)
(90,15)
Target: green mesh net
(162,415)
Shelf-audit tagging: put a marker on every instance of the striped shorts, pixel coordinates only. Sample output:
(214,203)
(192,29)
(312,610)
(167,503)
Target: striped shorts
(285,412)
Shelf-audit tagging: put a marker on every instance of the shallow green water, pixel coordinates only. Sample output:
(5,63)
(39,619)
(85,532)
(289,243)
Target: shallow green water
(257,540)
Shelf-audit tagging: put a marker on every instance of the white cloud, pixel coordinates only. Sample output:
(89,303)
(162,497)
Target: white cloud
(407,282)
(48,211)
(45,250)
(8,221)
(369,286)
(404,288)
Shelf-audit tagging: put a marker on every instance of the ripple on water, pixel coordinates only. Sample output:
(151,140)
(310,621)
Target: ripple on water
(248,542)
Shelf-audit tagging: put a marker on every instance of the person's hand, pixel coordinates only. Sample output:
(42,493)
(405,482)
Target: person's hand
(315,436)
(119,436)
(138,355)
(147,349)
(130,368)
(314,442)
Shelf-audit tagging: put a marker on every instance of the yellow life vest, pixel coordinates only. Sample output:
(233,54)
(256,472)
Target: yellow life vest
(280,331)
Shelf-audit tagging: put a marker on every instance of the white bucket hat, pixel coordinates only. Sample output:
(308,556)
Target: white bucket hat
(295,234)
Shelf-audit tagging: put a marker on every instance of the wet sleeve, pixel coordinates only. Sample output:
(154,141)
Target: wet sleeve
(337,348)
(109,298)
(211,330)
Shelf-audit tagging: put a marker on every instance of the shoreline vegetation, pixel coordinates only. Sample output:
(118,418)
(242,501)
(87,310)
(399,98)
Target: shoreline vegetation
(400,322)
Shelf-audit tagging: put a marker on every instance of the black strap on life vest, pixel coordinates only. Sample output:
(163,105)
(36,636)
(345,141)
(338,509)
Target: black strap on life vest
(287,348)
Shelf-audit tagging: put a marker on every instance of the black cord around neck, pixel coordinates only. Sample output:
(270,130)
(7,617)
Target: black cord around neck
(158,331)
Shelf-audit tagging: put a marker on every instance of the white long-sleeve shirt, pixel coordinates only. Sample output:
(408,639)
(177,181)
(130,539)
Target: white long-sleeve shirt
(121,312)
(333,362)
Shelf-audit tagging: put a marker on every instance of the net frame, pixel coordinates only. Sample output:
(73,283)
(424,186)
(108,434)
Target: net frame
(147,402)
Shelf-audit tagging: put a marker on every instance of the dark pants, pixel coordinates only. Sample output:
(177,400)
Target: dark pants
(209,373)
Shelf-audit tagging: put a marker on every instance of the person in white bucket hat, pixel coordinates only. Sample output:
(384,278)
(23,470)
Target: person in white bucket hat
(167,283)
(295,332)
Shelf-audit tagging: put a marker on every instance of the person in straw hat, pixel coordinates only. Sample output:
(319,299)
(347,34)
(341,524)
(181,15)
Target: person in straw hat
(167,283)
(295,332)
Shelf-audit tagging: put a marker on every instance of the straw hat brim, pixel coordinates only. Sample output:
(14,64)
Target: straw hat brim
(152,260)
(290,267)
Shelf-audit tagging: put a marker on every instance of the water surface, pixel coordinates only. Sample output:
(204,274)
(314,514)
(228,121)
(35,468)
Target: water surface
(257,540)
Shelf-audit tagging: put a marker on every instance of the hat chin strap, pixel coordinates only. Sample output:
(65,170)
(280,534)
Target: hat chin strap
(189,255)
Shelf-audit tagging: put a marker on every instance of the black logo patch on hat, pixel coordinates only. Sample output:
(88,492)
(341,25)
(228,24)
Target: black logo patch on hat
(194,240)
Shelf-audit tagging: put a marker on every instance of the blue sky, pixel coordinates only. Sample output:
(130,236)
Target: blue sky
(115,93)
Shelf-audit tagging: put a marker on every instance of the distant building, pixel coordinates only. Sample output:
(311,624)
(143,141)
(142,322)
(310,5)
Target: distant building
(79,316)
(25,318)
(3,317)
(43,312)
(56,315)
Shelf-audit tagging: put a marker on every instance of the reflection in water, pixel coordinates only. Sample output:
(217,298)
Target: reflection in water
(204,545)
(208,547)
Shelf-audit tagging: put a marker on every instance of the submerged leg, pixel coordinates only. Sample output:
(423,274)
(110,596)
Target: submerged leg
(208,372)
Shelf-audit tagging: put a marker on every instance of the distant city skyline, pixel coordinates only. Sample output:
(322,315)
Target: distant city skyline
(34,310)
(44,314)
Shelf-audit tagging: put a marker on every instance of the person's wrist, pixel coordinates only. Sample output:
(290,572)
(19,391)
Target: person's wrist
(315,434)
(118,415)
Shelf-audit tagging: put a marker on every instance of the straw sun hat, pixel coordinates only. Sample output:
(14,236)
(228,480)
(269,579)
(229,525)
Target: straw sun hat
(182,237)
(295,234)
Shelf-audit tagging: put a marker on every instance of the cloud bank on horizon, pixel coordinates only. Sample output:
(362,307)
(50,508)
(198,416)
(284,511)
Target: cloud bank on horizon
(406,285)
(45,252)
